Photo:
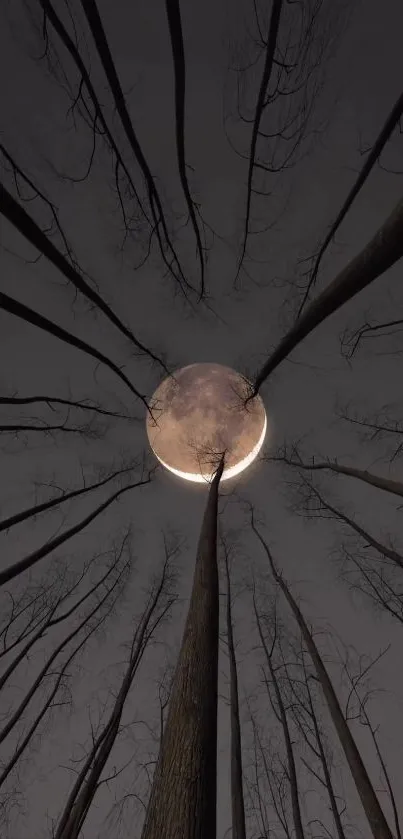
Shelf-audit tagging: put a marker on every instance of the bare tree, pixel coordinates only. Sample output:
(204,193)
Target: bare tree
(34,557)
(373,155)
(381,252)
(307,722)
(375,427)
(294,459)
(356,669)
(98,33)
(237,794)
(44,606)
(159,603)
(51,401)
(373,811)
(92,112)
(25,313)
(183,796)
(178,54)
(50,687)
(315,504)
(26,225)
(63,497)
(285,59)
(281,711)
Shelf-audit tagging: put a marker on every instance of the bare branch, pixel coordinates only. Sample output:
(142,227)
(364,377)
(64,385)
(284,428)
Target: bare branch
(31,559)
(375,152)
(384,249)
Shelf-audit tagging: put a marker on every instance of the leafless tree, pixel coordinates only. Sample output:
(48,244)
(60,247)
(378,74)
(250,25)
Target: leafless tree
(374,567)
(268,644)
(63,496)
(158,605)
(237,793)
(373,154)
(294,459)
(307,722)
(354,339)
(51,545)
(136,211)
(376,427)
(381,252)
(281,67)
(356,669)
(25,313)
(52,401)
(373,811)
(37,612)
(183,796)
(50,687)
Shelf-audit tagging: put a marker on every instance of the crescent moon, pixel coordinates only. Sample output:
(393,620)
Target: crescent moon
(200,412)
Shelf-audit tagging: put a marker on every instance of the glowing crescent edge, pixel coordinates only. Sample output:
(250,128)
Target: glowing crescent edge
(228,473)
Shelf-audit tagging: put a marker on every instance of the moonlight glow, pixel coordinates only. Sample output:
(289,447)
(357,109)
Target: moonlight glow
(200,412)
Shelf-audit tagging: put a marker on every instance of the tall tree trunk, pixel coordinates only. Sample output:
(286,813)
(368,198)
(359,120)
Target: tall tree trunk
(237,795)
(373,811)
(387,484)
(381,252)
(184,792)
(292,770)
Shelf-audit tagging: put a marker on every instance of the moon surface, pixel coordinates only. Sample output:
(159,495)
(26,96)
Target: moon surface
(198,413)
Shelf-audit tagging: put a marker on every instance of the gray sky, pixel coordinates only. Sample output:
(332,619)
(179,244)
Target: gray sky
(363,82)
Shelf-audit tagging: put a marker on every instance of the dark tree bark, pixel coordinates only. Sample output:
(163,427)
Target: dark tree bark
(373,811)
(85,624)
(237,793)
(165,243)
(178,54)
(14,307)
(36,509)
(79,801)
(184,794)
(270,48)
(323,505)
(292,770)
(27,226)
(383,250)
(387,484)
(392,121)
(30,560)
(306,720)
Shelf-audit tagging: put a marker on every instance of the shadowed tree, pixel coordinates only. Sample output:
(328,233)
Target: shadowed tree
(183,797)
(50,687)
(159,603)
(34,557)
(281,712)
(373,811)
(294,459)
(101,175)
(286,56)
(237,793)
(381,252)
(373,155)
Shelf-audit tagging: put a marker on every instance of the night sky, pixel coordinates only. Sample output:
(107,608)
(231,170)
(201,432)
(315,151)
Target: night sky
(236,325)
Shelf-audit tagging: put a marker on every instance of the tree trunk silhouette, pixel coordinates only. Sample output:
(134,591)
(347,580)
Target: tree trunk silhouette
(88,781)
(282,715)
(237,795)
(373,811)
(382,251)
(183,796)
(377,481)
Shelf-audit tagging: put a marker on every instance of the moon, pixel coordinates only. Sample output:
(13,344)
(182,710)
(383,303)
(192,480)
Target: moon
(197,414)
